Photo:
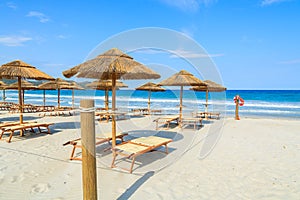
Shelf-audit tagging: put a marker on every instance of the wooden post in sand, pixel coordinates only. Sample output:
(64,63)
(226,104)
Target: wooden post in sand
(89,175)
(237,108)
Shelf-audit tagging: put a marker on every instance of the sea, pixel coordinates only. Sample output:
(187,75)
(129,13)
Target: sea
(258,103)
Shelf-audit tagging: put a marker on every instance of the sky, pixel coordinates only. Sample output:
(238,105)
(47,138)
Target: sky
(252,44)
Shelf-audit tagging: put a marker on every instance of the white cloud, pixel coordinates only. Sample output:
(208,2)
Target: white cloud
(11,5)
(13,40)
(270,2)
(186,54)
(62,37)
(188,5)
(290,62)
(41,16)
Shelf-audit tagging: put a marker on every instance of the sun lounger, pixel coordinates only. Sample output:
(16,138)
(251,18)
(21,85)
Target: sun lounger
(140,111)
(155,111)
(210,115)
(99,140)
(103,115)
(133,148)
(192,121)
(6,105)
(166,121)
(108,115)
(22,127)
(144,111)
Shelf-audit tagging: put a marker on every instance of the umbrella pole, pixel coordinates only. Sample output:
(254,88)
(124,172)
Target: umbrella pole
(149,95)
(58,98)
(23,93)
(113,109)
(3,95)
(44,100)
(180,105)
(73,98)
(206,105)
(106,99)
(20,102)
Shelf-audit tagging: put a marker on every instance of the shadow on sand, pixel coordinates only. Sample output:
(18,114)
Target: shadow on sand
(131,190)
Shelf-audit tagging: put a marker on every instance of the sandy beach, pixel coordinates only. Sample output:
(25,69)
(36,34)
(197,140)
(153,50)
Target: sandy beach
(252,159)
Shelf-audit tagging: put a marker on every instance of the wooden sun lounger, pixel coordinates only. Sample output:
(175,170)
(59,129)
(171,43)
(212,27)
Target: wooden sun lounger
(133,148)
(99,140)
(210,115)
(192,121)
(140,111)
(22,127)
(108,115)
(103,115)
(166,121)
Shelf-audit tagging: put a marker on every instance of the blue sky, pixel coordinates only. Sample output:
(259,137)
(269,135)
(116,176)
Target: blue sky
(253,43)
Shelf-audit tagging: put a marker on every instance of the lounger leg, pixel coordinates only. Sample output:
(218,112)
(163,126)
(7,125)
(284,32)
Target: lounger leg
(1,134)
(11,134)
(73,151)
(22,132)
(132,163)
(114,159)
(48,130)
(166,147)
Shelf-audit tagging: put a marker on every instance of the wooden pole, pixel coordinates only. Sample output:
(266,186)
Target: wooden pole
(58,98)
(206,105)
(20,100)
(180,105)
(4,95)
(106,100)
(23,96)
(44,100)
(149,96)
(89,174)
(237,109)
(73,100)
(113,109)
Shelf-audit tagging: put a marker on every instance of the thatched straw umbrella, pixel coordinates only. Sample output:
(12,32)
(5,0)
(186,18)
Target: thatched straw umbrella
(105,85)
(19,69)
(112,65)
(150,87)
(73,86)
(2,87)
(25,85)
(182,78)
(56,84)
(210,87)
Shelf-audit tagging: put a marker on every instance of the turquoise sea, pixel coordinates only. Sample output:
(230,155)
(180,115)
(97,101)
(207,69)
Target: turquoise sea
(258,103)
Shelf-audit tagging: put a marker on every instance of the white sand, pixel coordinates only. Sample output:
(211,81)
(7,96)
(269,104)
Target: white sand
(253,159)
